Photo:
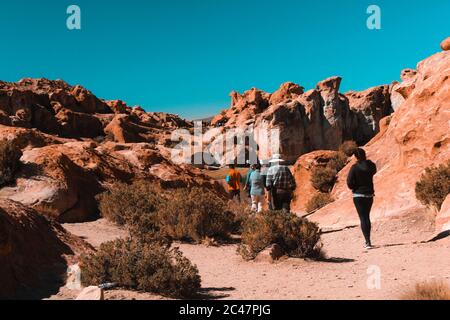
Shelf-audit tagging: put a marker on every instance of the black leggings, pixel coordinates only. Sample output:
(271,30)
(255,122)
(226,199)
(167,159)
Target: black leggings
(364,206)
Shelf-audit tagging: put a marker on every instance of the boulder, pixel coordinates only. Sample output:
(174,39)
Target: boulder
(271,254)
(34,253)
(287,91)
(445,45)
(91,294)
(443,217)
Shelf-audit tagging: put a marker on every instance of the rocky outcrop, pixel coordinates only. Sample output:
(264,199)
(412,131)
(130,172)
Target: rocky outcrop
(34,252)
(443,217)
(75,145)
(369,106)
(319,119)
(62,180)
(445,45)
(55,107)
(415,137)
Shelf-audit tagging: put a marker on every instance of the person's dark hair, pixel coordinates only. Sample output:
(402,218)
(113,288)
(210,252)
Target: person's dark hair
(231,166)
(257,166)
(360,154)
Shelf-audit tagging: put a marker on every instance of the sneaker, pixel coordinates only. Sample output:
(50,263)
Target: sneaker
(368,247)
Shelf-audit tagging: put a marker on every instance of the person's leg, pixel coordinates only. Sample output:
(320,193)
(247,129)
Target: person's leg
(260,203)
(276,201)
(363,206)
(287,202)
(254,203)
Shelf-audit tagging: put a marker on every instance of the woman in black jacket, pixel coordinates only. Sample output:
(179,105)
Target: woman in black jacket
(360,181)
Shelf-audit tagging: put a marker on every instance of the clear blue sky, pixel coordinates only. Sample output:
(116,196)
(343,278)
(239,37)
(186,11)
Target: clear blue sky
(185,56)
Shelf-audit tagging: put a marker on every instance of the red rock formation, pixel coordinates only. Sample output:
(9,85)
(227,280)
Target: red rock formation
(57,108)
(34,252)
(64,132)
(62,180)
(319,119)
(417,136)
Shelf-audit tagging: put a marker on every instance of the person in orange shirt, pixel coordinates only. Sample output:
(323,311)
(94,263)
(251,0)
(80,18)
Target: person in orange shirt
(234,182)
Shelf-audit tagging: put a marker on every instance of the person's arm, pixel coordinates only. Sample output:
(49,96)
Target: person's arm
(292,180)
(269,179)
(351,179)
(374,168)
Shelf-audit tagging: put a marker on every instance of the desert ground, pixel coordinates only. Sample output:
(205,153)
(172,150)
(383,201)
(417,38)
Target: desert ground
(402,255)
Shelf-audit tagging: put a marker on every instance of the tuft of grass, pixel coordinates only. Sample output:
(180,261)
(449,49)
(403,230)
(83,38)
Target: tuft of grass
(433,290)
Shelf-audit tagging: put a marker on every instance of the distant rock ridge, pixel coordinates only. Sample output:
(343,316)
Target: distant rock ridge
(57,108)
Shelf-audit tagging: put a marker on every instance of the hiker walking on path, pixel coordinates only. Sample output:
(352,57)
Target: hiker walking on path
(281,184)
(360,181)
(256,183)
(247,180)
(264,171)
(234,182)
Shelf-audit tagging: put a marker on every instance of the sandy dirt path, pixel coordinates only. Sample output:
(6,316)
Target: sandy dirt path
(400,257)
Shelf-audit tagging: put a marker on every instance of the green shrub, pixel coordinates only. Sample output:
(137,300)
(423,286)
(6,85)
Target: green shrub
(434,185)
(318,201)
(137,265)
(195,214)
(10,156)
(296,236)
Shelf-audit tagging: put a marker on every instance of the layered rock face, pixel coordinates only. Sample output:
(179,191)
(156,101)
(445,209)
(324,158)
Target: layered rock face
(75,145)
(34,252)
(415,137)
(319,119)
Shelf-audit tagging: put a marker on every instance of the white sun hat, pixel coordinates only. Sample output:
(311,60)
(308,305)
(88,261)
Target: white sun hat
(276,158)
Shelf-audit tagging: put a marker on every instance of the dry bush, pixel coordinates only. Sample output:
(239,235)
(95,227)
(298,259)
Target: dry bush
(318,201)
(10,156)
(348,148)
(323,178)
(193,215)
(435,290)
(296,236)
(434,186)
(137,265)
(241,212)
(179,214)
(135,206)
